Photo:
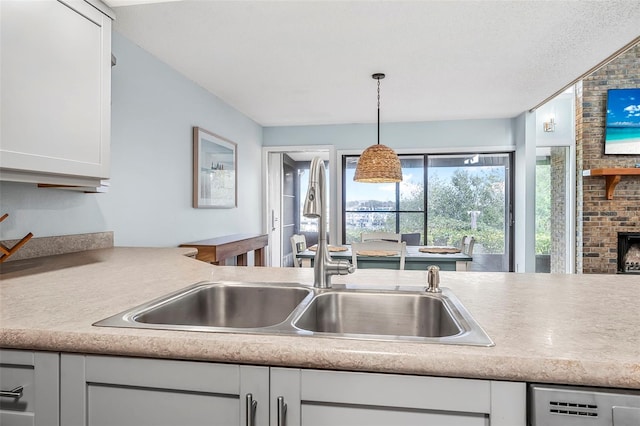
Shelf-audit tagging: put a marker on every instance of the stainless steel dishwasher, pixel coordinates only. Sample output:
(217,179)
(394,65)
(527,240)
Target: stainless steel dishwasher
(555,405)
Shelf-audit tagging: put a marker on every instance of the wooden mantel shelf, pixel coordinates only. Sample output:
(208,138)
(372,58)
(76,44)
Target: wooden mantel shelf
(612,176)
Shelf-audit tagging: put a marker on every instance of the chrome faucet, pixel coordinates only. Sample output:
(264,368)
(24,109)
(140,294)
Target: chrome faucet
(433,279)
(315,207)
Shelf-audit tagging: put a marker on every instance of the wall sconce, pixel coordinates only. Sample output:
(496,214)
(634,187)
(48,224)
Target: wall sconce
(549,126)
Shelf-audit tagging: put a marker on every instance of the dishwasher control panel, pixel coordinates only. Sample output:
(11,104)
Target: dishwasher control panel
(556,405)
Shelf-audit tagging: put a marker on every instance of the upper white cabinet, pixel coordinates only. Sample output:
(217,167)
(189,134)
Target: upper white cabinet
(55,91)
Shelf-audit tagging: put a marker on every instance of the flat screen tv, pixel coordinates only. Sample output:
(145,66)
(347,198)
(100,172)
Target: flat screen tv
(622,133)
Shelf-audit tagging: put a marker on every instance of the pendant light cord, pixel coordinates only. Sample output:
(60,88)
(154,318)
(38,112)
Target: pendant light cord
(378,76)
(378,111)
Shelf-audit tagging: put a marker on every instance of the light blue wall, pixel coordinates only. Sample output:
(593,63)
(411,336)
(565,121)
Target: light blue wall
(149,201)
(491,135)
(423,136)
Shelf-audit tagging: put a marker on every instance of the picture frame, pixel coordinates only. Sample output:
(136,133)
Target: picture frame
(215,171)
(622,130)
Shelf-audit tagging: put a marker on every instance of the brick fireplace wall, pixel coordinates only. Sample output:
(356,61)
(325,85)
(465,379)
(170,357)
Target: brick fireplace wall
(602,219)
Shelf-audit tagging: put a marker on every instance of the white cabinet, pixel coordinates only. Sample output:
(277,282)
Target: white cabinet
(29,384)
(103,390)
(318,397)
(55,91)
(106,391)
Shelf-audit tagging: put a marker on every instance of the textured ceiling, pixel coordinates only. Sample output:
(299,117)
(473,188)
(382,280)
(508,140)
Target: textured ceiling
(310,62)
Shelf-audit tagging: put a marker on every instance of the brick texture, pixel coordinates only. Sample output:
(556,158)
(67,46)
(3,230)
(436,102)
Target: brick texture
(600,219)
(558,209)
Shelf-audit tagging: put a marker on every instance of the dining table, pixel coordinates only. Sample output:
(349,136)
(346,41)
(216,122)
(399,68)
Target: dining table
(416,258)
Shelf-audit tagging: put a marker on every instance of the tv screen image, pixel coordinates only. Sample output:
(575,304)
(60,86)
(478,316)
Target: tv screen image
(622,133)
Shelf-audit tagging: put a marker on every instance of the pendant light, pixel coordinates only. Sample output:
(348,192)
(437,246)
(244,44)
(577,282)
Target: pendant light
(378,163)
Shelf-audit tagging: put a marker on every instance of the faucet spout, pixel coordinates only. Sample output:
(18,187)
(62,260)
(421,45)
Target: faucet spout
(315,207)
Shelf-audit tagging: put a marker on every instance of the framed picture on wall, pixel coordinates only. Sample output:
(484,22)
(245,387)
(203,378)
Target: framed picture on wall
(622,133)
(215,171)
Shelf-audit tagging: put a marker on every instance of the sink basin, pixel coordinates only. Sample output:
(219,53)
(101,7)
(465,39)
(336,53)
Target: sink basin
(294,309)
(216,305)
(381,314)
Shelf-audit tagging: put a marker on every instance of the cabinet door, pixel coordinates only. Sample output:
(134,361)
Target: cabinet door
(285,397)
(380,399)
(56,88)
(36,373)
(106,391)
(330,397)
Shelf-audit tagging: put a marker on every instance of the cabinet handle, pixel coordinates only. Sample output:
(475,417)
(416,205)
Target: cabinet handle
(13,393)
(251,410)
(282,412)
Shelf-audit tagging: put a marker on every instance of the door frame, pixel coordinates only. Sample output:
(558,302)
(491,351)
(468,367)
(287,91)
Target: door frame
(276,244)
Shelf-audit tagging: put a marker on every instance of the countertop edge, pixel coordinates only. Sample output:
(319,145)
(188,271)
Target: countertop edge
(488,367)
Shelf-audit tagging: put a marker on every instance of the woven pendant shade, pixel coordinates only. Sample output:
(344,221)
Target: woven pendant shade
(378,164)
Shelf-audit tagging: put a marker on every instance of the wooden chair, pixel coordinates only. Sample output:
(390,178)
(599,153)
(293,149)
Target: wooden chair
(380,236)
(398,247)
(466,245)
(298,244)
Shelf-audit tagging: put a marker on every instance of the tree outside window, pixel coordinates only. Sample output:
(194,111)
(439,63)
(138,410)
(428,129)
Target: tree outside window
(465,195)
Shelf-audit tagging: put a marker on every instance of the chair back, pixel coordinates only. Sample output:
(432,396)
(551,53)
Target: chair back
(298,244)
(398,247)
(380,236)
(412,239)
(467,245)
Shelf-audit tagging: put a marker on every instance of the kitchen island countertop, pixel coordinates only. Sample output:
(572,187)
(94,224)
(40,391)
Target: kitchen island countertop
(569,329)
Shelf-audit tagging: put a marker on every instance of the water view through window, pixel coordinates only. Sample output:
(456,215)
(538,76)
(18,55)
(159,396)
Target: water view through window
(387,207)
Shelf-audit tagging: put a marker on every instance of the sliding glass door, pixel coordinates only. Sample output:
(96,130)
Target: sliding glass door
(469,195)
(441,197)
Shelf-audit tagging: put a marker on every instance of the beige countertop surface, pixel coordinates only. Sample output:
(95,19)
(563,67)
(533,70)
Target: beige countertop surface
(569,329)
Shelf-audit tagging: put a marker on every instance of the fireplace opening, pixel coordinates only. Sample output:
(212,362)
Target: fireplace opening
(629,252)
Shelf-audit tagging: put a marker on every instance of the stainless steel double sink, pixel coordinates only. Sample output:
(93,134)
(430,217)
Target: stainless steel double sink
(294,309)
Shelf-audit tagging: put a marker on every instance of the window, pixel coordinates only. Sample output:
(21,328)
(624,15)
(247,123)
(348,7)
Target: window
(552,213)
(384,207)
(442,197)
(469,194)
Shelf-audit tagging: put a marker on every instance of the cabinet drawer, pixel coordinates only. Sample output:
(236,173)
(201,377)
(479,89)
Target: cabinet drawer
(17,411)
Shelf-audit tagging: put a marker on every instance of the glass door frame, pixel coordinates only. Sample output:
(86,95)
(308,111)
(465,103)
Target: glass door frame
(509,193)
